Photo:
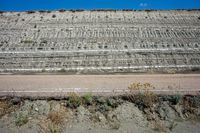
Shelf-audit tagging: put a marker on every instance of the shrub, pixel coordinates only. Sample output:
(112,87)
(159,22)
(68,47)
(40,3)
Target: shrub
(193,101)
(77,10)
(88,99)
(140,86)
(142,100)
(73,100)
(56,117)
(127,9)
(62,10)
(42,11)
(53,129)
(6,107)
(112,102)
(53,16)
(30,12)
(148,10)
(175,99)
(21,119)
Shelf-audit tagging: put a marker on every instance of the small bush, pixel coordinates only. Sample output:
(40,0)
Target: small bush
(142,100)
(140,86)
(42,11)
(127,10)
(159,126)
(148,10)
(88,99)
(175,99)
(73,100)
(62,10)
(56,117)
(104,104)
(53,16)
(77,10)
(21,120)
(53,129)
(112,102)
(193,101)
(104,10)
(30,12)
(6,107)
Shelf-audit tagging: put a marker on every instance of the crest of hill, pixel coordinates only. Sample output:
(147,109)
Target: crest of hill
(99,10)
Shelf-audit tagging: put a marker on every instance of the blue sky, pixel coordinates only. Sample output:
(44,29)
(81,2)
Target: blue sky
(22,5)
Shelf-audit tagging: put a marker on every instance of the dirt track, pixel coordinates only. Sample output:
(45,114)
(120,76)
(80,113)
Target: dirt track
(60,85)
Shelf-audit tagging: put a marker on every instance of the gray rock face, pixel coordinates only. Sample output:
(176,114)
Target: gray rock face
(100,41)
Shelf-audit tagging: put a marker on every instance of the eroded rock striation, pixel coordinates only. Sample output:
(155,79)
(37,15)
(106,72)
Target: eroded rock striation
(99,41)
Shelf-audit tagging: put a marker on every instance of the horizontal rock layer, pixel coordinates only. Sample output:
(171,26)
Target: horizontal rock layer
(100,41)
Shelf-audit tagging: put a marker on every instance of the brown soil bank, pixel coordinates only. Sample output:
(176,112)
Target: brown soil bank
(142,113)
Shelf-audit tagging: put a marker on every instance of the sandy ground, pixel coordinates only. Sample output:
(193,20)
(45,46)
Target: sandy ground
(59,85)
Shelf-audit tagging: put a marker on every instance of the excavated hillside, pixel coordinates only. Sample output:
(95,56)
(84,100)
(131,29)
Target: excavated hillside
(100,41)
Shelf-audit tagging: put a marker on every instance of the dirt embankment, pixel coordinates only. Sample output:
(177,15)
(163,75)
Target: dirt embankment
(140,113)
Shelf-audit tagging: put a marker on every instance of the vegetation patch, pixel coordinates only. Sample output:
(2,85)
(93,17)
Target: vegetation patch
(73,101)
(140,86)
(161,112)
(56,117)
(21,119)
(174,99)
(8,105)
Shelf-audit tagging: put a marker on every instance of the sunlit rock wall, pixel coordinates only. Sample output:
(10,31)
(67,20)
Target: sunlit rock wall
(100,41)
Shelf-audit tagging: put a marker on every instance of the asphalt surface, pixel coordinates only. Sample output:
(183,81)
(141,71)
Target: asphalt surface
(62,85)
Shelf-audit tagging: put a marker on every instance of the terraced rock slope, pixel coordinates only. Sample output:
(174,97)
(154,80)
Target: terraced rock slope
(99,41)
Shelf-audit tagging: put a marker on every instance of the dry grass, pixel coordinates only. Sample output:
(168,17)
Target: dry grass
(149,98)
(49,127)
(187,105)
(140,86)
(159,126)
(143,100)
(54,121)
(74,100)
(56,117)
(6,107)
(21,120)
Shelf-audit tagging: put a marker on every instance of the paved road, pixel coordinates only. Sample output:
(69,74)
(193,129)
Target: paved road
(61,85)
